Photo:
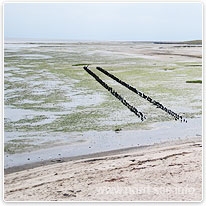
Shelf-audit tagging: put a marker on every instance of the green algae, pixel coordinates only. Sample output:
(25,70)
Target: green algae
(195,81)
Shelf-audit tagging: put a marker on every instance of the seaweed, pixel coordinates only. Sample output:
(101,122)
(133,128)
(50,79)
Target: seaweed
(195,81)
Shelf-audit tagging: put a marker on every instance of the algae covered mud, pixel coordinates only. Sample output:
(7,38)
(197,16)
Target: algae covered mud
(53,108)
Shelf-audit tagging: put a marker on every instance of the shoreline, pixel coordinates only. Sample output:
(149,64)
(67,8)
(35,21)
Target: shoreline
(54,161)
(96,143)
(170,171)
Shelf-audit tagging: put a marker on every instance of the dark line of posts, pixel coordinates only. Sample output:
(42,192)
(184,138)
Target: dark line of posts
(114,93)
(141,94)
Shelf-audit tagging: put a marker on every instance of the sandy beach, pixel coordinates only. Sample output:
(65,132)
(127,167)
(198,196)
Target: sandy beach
(169,171)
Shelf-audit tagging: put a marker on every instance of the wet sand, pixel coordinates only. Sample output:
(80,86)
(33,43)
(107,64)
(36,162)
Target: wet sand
(163,172)
(105,141)
(57,103)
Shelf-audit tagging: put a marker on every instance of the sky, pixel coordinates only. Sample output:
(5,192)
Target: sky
(104,21)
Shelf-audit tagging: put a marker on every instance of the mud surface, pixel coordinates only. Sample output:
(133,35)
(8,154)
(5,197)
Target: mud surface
(50,104)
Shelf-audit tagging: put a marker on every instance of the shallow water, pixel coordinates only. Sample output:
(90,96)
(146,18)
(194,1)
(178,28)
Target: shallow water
(49,103)
(94,141)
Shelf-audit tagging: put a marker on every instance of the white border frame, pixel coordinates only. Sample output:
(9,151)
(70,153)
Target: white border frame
(107,1)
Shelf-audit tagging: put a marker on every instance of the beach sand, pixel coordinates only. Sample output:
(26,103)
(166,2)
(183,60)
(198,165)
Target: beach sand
(169,171)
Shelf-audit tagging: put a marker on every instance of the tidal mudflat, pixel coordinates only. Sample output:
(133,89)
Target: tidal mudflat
(53,108)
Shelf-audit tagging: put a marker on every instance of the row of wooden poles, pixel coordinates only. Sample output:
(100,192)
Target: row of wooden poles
(141,94)
(114,93)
